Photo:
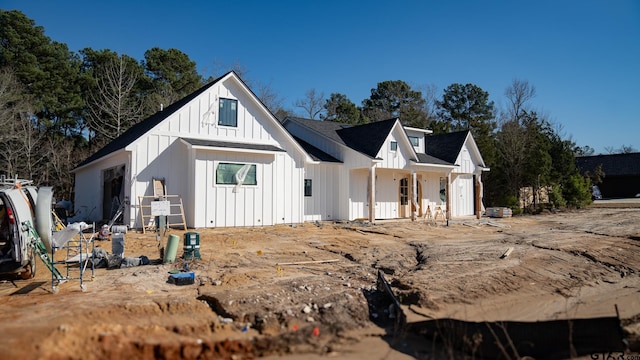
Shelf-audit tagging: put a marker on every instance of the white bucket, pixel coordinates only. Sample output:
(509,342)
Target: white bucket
(117,244)
(122,229)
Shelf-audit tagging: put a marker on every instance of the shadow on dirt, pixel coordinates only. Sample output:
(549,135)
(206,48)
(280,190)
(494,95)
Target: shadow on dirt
(454,338)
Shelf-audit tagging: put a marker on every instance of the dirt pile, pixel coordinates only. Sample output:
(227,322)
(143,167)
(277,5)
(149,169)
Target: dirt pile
(311,289)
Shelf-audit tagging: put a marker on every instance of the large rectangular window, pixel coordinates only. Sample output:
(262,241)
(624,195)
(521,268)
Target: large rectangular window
(228,112)
(227,173)
(307,187)
(415,141)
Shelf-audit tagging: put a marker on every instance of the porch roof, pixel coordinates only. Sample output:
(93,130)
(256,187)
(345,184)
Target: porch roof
(232,145)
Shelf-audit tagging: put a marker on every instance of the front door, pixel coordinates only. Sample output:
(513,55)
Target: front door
(404,198)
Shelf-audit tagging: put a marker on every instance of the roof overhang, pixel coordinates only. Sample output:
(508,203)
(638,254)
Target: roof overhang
(418,130)
(432,167)
(211,145)
(110,155)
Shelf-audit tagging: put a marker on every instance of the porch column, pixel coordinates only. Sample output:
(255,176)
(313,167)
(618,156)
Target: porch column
(478,199)
(372,193)
(414,195)
(448,192)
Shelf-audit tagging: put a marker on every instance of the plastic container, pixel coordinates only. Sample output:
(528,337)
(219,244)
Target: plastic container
(171,249)
(117,244)
(191,247)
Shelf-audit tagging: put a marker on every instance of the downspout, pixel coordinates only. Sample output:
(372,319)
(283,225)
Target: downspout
(372,192)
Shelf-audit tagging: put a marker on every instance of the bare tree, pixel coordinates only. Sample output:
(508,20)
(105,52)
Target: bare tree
(113,105)
(312,104)
(624,149)
(19,153)
(518,94)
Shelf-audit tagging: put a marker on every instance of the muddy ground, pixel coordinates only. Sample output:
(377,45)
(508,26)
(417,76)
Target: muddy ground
(304,291)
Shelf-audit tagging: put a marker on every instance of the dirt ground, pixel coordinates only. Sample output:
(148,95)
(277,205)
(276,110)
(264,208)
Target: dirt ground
(308,290)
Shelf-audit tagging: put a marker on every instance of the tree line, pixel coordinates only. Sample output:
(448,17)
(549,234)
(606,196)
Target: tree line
(57,107)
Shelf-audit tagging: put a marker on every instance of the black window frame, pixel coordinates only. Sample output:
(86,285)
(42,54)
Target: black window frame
(393,146)
(228,117)
(308,187)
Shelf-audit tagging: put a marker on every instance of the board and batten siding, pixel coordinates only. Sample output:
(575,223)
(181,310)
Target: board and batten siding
(325,199)
(89,188)
(190,174)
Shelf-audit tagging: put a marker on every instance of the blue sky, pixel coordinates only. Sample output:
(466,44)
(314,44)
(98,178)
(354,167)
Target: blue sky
(582,56)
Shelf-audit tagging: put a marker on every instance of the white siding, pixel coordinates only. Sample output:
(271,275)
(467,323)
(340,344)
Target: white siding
(462,195)
(190,172)
(430,183)
(323,204)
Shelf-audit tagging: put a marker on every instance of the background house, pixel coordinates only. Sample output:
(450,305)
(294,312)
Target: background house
(621,173)
(403,172)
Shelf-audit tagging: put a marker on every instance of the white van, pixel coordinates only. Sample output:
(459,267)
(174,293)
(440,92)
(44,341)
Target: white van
(20,215)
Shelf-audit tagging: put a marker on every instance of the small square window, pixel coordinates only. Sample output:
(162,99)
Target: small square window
(307,187)
(394,146)
(415,141)
(228,114)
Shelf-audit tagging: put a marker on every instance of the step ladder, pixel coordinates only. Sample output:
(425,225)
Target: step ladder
(39,249)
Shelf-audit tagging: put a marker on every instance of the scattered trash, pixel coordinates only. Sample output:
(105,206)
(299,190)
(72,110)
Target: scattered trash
(183,278)
(506,253)
(316,331)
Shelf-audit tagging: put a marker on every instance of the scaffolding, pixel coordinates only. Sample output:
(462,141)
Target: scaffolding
(74,249)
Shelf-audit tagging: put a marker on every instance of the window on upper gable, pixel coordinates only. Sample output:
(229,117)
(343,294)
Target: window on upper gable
(394,146)
(228,113)
(415,141)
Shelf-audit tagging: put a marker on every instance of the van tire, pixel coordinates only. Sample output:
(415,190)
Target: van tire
(29,269)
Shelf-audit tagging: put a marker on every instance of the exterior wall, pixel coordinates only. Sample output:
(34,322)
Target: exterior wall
(462,182)
(89,188)
(358,194)
(324,202)
(189,173)
(274,200)
(462,199)
(430,183)
(420,136)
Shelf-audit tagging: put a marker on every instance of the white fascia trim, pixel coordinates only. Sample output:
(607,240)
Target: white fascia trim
(419,130)
(414,163)
(117,152)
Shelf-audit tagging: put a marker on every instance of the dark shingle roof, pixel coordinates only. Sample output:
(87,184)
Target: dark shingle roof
(315,153)
(326,128)
(141,128)
(428,159)
(232,145)
(366,139)
(612,165)
(445,146)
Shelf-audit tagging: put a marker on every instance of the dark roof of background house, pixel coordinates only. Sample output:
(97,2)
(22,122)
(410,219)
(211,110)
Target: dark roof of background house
(612,165)
(445,146)
(232,145)
(366,139)
(315,153)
